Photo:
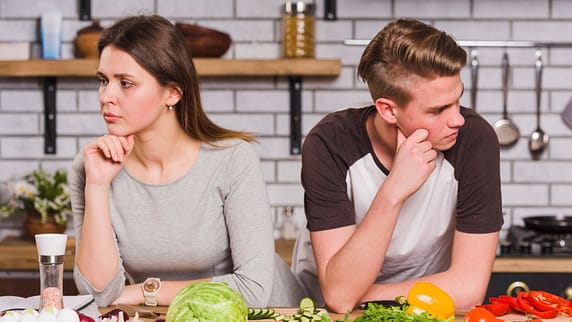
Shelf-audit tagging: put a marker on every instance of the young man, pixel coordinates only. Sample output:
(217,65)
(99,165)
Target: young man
(407,189)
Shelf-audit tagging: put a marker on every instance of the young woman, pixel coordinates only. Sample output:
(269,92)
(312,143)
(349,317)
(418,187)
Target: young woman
(167,197)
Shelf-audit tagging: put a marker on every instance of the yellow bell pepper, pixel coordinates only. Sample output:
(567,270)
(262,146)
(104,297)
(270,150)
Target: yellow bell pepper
(427,297)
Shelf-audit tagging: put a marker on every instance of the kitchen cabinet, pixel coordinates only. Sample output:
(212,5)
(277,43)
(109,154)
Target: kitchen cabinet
(294,69)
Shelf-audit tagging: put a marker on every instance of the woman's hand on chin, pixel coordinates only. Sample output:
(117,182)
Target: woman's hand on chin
(105,156)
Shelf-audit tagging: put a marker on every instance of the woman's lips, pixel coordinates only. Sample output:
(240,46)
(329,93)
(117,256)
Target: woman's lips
(110,118)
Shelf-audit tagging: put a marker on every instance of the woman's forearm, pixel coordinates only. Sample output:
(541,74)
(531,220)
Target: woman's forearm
(97,257)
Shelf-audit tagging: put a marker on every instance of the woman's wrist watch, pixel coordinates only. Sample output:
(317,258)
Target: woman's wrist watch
(150,288)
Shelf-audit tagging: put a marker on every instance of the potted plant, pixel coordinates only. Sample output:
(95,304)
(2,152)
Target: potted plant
(43,198)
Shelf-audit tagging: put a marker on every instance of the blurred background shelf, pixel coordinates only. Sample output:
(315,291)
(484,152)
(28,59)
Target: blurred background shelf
(209,67)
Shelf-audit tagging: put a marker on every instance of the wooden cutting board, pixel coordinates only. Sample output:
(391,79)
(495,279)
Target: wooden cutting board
(522,318)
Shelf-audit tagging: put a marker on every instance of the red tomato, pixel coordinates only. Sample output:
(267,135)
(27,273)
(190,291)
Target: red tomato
(497,309)
(480,314)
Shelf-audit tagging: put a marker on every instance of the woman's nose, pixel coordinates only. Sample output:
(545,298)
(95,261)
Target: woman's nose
(106,94)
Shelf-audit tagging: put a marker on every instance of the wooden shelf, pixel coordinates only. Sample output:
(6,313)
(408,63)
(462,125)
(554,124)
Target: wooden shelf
(532,265)
(208,67)
(294,69)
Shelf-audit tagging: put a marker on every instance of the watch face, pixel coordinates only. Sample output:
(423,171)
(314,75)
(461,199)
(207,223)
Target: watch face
(151,285)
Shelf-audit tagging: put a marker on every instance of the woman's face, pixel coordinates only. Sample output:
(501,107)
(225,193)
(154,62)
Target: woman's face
(131,99)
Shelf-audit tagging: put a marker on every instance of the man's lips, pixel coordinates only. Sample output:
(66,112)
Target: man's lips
(452,136)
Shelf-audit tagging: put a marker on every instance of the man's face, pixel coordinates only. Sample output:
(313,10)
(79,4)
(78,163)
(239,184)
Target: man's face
(434,106)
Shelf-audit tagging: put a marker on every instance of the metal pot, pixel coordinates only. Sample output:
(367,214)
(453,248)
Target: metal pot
(556,224)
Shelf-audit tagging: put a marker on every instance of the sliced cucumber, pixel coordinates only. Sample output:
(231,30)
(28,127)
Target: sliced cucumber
(307,304)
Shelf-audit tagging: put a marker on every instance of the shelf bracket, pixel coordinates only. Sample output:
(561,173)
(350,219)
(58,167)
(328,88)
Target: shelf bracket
(50,84)
(84,10)
(330,10)
(295,85)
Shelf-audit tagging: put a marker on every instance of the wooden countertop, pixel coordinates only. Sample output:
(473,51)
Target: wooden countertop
(21,255)
(149,314)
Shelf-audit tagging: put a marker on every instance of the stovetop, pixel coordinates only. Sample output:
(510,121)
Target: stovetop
(523,242)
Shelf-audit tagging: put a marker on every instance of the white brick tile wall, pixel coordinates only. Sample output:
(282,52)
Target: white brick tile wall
(285,194)
(261,104)
(560,195)
(536,194)
(511,9)
(289,171)
(17,124)
(561,9)
(259,124)
(33,148)
(433,8)
(558,31)
(117,9)
(80,124)
(257,101)
(33,8)
(476,30)
(217,101)
(21,101)
(19,30)
(363,8)
(329,101)
(542,172)
(243,30)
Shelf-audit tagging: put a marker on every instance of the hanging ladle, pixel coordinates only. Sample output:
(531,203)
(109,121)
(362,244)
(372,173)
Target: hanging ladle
(507,131)
(538,138)
(474,77)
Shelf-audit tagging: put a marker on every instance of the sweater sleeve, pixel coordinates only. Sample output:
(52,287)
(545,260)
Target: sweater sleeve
(105,296)
(249,226)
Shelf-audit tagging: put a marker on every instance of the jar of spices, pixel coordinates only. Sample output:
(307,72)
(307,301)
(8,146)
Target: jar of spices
(298,29)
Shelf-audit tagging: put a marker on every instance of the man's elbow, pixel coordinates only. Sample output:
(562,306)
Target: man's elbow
(470,298)
(339,303)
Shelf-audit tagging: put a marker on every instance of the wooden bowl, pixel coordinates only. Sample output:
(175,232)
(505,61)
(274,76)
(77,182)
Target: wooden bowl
(87,39)
(204,42)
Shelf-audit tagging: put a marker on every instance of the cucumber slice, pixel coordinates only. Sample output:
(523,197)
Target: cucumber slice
(307,304)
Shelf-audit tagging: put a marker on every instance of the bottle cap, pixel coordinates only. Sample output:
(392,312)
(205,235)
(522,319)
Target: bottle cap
(51,244)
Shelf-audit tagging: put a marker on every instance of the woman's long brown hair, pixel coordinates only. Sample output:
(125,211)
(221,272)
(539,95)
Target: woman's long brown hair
(159,48)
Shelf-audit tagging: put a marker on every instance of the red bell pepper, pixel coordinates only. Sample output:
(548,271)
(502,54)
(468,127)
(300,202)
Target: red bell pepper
(524,302)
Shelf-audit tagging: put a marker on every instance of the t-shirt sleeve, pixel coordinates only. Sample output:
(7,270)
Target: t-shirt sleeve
(479,202)
(249,224)
(324,171)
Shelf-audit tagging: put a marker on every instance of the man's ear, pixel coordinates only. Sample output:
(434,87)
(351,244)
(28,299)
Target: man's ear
(387,109)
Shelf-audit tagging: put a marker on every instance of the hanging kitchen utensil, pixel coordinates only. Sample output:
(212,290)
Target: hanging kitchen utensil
(567,114)
(507,131)
(538,138)
(558,224)
(474,77)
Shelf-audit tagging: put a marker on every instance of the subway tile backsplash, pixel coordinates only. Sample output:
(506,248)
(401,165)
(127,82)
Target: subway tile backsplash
(261,104)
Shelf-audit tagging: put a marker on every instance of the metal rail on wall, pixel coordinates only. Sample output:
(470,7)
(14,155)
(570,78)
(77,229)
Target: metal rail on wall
(486,43)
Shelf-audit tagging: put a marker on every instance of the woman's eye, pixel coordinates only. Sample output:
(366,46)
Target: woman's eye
(102,81)
(126,84)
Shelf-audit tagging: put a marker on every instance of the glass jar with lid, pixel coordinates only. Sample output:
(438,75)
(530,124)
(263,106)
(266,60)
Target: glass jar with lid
(298,25)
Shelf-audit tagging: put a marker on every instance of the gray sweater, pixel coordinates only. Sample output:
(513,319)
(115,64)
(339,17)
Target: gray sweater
(212,222)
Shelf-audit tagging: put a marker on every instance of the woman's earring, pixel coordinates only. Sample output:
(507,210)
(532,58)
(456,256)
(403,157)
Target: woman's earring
(170,107)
